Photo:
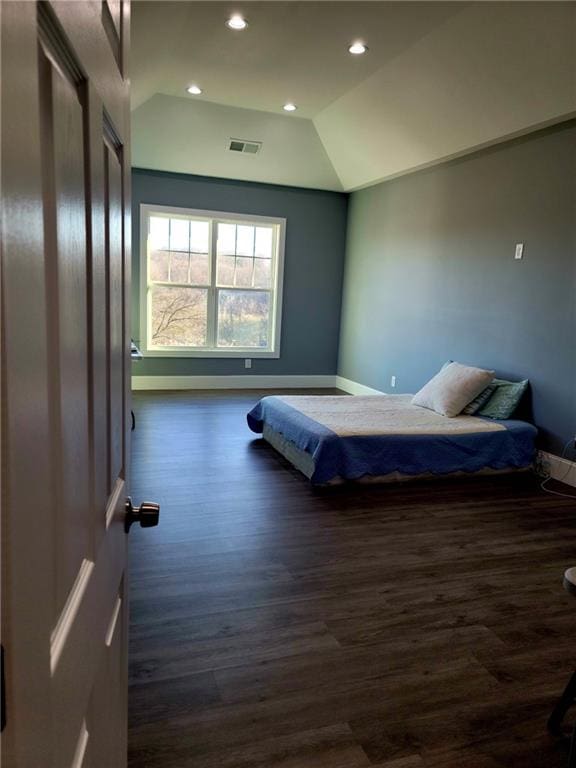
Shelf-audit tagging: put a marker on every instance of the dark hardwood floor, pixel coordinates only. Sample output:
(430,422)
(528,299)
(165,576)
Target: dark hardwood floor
(276,625)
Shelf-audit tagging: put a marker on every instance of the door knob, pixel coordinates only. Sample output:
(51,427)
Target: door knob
(147,514)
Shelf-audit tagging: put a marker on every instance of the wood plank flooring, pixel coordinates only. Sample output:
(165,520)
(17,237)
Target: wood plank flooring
(274,625)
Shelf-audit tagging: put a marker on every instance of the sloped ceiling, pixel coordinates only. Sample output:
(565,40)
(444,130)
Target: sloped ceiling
(290,51)
(440,79)
(495,71)
(171,133)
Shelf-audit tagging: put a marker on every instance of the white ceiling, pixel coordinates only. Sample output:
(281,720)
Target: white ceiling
(170,133)
(440,79)
(291,51)
(493,72)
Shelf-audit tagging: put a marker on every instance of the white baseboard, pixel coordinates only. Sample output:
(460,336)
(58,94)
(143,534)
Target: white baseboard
(354,388)
(232,382)
(251,382)
(559,468)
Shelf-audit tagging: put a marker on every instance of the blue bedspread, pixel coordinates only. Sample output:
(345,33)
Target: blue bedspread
(352,456)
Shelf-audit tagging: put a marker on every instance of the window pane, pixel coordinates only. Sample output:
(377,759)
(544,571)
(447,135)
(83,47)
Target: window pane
(244,269)
(199,236)
(179,316)
(243,318)
(179,235)
(263,242)
(226,239)
(159,265)
(199,269)
(158,233)
(178,267)
(226,270)
(244,240)
(262,273)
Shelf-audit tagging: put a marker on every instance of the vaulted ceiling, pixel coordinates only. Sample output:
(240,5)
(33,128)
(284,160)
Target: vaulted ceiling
(290,51)
(439,79)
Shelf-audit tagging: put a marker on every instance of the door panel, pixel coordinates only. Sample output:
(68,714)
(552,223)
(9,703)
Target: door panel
(65,358)
(61,131)
(116,317)
(105,728)
(82,758)
(114,7)
(99,311)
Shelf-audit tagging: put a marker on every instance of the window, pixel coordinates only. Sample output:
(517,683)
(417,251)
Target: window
(211,283)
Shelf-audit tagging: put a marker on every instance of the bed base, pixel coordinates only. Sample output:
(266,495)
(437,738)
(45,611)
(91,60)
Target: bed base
(304,463)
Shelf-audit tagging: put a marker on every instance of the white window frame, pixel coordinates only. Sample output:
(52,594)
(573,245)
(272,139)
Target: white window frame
(275,317)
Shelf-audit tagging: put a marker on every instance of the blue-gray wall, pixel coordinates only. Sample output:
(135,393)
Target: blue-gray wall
(430,275)
(314,261)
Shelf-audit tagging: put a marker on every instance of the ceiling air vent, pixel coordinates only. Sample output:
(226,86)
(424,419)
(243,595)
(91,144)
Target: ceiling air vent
(242,146)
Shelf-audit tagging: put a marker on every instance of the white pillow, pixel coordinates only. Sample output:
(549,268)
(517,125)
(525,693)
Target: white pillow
(452,389)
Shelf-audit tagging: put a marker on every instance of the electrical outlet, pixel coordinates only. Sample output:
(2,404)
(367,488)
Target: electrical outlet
(247,363)
(393,381)
(519,252)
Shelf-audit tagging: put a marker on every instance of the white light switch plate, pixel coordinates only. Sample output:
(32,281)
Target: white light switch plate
(393,381)
(247,362)
(519,251)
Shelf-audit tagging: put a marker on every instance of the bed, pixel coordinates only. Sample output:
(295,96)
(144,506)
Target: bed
(383,438)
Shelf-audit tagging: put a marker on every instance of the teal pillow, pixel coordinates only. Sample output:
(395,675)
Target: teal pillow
(504,400)
(480,400)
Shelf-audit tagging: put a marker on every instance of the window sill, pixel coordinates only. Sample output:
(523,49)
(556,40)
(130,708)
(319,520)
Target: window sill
(222,353)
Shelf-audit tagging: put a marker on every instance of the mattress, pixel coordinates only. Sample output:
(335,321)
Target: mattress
(349,438)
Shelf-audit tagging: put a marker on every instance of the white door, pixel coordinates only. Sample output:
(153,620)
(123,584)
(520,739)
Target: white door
(65,381)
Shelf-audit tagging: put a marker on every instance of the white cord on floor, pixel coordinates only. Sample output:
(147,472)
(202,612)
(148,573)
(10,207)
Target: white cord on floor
(547,479)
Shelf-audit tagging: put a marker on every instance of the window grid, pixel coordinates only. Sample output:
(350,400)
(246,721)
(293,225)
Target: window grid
(253,256)
(215,286)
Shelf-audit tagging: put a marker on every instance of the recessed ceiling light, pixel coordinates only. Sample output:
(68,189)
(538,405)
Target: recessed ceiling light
(194,90)
(358,48)
(237,22)
(290,107)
